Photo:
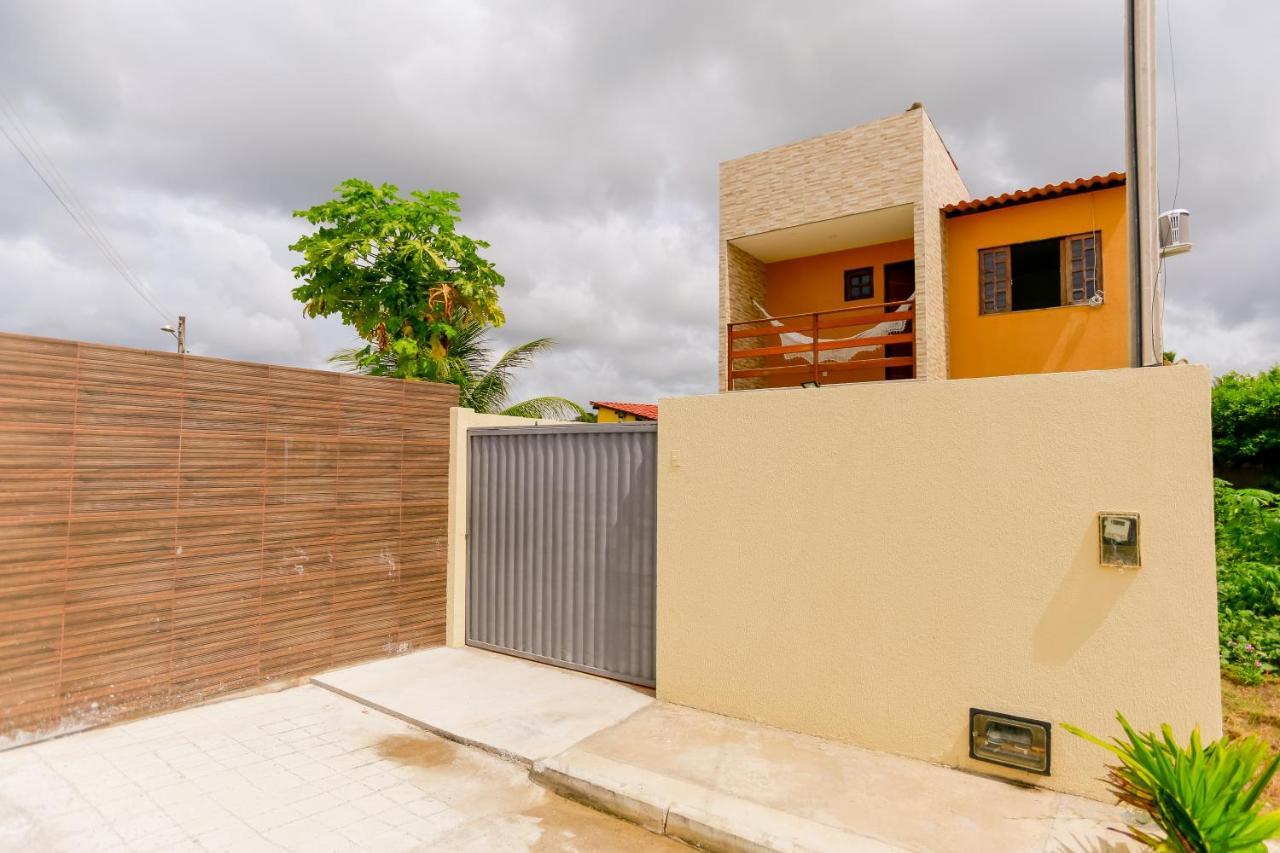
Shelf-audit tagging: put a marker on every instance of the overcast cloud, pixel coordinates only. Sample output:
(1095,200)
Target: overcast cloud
(584,138)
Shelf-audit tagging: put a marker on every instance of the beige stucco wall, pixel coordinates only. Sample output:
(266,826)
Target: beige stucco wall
(460,421)
(867,562)
(896,160)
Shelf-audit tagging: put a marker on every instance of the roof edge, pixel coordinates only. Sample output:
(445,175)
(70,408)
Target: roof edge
(649,411)
(1033,194)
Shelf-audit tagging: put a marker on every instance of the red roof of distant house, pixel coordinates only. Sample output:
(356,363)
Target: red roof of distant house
(648,411)
(1079,185)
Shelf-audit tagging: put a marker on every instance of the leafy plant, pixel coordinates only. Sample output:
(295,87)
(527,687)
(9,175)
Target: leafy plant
(484,383)
(1246,422)
(1204,798)
(396,270)
(1247,525)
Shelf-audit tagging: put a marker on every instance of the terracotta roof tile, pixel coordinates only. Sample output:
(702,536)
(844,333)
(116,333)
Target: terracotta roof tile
(1079,185)
(648,411)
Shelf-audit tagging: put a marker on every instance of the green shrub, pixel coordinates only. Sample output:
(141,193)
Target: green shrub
(1246,423)
(1204,798)
(1247,524)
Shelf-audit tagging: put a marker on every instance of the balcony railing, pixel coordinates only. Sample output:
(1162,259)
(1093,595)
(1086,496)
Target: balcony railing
(830,346)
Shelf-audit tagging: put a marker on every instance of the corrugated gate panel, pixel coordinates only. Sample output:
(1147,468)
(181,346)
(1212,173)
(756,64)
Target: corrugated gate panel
(561,531)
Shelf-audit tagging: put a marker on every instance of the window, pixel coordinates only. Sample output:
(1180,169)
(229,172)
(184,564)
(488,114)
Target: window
(858,284)
(1081,278)
(1039,274)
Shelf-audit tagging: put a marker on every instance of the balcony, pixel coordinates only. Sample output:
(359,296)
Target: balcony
(858,344)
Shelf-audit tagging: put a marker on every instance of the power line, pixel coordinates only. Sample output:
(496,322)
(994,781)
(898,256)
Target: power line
(62,191)
(59,180)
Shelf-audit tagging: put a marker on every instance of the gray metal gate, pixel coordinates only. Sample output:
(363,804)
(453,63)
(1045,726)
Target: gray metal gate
(561,532)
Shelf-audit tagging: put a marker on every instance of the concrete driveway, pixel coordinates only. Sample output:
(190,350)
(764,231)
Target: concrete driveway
(301,769)
(713,781)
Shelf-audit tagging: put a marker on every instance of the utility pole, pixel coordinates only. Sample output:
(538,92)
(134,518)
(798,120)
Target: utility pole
(1141,189)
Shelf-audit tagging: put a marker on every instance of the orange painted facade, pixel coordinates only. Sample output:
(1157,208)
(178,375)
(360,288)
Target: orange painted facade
(1040,340)
(816,283)
(1043,340)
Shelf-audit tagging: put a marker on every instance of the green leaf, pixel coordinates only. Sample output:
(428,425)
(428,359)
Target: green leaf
(1203,797)
(484,383)
(381,261)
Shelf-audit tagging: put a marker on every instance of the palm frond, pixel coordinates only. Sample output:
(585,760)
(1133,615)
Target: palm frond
(545,408)
(484,384)
(361,359)
(347,358)
(492,388)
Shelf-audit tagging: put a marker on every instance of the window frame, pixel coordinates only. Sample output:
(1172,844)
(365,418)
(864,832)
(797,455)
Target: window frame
(1005,286)
(1065,272)
(1065,260)
(870,273)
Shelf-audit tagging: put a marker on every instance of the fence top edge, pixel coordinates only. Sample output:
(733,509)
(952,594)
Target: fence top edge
(563,428)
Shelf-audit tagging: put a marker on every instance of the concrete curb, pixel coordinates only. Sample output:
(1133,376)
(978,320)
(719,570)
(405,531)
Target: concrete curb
(690,813)
(505,755)
(651,815)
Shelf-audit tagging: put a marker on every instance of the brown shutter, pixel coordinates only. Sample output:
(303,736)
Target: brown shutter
(1081,270)
(993,280)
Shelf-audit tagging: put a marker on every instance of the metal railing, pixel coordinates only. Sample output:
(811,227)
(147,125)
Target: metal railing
(833,346)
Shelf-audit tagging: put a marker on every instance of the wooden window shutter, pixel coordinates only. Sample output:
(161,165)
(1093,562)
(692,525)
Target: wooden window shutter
(993,280)
(1081,269)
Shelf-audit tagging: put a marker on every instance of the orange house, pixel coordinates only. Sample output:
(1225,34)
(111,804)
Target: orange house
(860,255)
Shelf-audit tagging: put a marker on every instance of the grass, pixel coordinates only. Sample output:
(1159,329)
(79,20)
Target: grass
(1254,710)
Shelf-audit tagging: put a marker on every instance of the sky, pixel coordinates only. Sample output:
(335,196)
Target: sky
(584,138)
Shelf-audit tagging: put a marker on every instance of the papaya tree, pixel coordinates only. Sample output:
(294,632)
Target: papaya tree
(398,271)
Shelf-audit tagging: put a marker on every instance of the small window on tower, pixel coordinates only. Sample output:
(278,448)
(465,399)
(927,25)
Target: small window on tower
(858,284)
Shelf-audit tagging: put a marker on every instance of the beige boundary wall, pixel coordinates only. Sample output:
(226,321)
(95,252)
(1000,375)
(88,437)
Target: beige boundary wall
(867,562)
(460,421)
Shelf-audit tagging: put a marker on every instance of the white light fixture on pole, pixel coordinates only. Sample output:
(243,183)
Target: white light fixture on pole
(180,333)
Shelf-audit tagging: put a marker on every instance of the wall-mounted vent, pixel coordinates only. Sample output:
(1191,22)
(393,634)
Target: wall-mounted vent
(1175,232)
(1012,741)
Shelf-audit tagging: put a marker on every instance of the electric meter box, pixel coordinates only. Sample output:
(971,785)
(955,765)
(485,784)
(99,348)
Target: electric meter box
(1118,540)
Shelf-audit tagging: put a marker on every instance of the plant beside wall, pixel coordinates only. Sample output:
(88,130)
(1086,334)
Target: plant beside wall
(417,292)
(484,383)
(1247,523)
(1246,428)
(1205,798)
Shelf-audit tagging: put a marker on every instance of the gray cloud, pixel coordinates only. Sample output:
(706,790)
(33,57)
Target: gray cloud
(585,138)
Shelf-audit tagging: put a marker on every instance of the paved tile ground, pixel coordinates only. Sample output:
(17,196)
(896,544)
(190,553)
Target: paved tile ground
(301,769)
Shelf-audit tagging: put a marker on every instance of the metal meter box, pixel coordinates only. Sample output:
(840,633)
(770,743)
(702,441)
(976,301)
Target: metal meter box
(1118,539)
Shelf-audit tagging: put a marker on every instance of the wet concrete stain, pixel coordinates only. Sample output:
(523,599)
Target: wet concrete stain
(490,791)
(417,751)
